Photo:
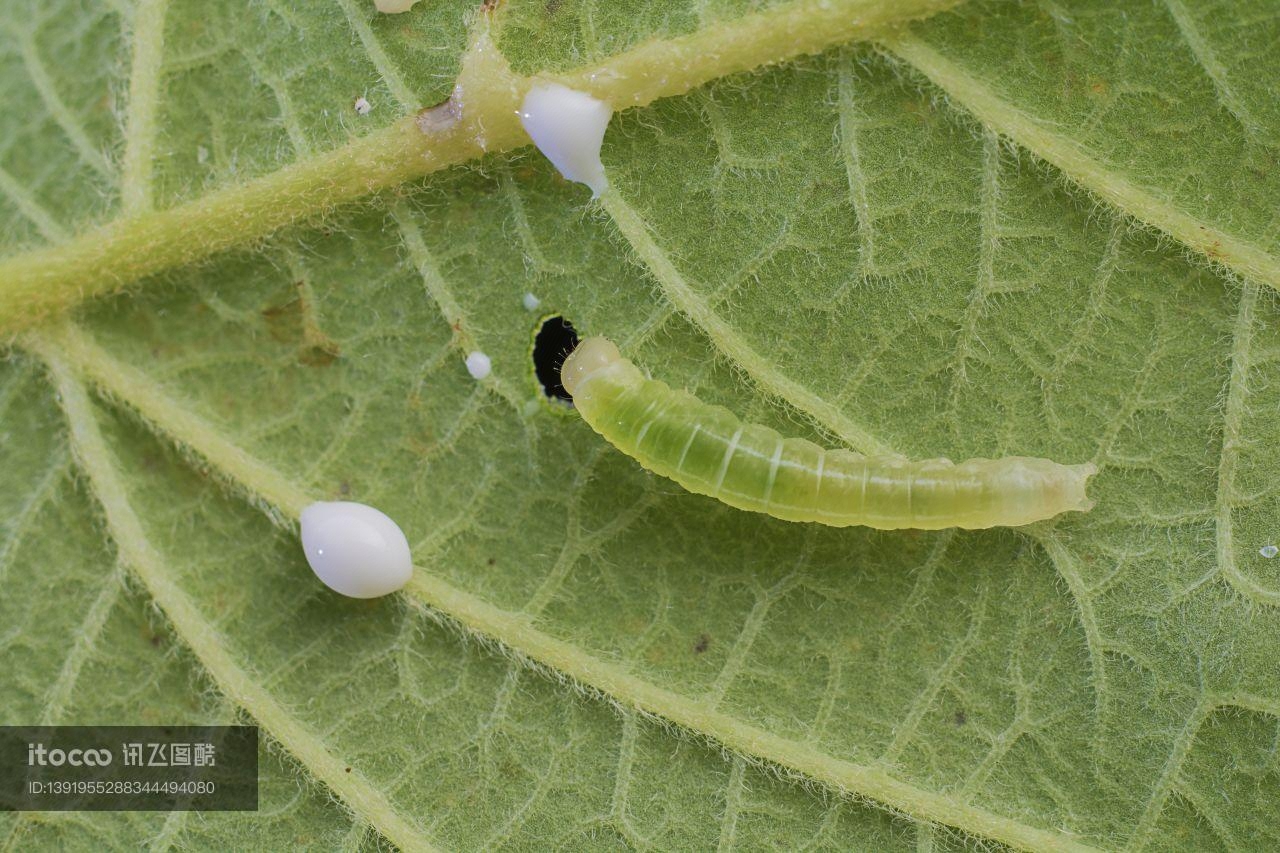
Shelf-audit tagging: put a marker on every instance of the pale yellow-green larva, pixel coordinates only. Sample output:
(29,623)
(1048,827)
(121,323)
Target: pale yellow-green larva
(393,7)
(710,451)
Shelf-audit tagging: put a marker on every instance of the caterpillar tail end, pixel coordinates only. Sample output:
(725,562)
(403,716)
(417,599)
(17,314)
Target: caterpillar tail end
(1076,500)
(591,355)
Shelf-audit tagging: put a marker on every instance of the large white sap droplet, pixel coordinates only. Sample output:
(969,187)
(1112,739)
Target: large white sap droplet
(568,127)
(355,549)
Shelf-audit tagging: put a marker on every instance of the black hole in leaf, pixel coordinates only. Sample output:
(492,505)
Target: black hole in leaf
(552,345)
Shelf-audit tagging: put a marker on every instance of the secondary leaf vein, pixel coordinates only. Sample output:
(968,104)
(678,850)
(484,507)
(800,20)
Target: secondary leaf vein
(983,100)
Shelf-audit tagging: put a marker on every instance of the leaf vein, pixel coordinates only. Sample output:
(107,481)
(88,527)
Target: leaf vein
(847,109)
(148,23)
(381,61)
(62,114)
(732,806)
(980,98)
(727,339)
(19,522)
(1064,562)
(938,679)
(751,627)
(200,635)
(29,207)
(1212,67)
(1168,780)
(437,288)
(1233,438)
(984,283)
(83,645)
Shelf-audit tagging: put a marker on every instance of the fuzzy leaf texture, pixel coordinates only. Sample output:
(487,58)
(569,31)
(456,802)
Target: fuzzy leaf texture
(1039,228)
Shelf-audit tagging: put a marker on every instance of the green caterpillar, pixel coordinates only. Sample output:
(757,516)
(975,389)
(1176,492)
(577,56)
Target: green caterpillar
(710,451)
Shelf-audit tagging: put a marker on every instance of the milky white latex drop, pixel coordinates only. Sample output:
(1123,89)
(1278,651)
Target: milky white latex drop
(568,127)
(479,365)
(355,549)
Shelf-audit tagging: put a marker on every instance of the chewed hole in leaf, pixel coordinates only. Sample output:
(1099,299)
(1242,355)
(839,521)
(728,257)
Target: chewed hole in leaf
(554,340)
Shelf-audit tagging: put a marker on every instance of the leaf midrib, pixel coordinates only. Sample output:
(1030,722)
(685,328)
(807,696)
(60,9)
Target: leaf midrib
(41,282)
(50,280)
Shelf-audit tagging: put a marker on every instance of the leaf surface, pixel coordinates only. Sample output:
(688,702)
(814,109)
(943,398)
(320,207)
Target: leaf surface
(1032,228)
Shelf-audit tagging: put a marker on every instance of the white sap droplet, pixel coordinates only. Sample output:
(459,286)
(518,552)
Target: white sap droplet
(568,127)
(394,7)
(355,549)
(531,302)
(478,365)
(1269,551)
(363,106)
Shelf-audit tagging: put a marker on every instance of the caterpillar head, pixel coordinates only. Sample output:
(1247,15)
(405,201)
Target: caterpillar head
(591,355)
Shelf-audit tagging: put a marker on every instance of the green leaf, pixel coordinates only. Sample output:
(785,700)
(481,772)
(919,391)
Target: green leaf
(1035,228)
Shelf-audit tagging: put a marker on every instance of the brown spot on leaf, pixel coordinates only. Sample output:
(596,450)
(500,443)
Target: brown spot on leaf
(293,321)
(284,319)
(440,117)
(319,355)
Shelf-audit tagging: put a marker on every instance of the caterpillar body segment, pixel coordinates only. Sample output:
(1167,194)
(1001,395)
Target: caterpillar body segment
(710,451)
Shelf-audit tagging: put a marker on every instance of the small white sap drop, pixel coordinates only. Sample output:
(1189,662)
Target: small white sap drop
(363,106)
(394,7)
(355,549)
(568,127)
(1269,551)
(531,302)
(478,365)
